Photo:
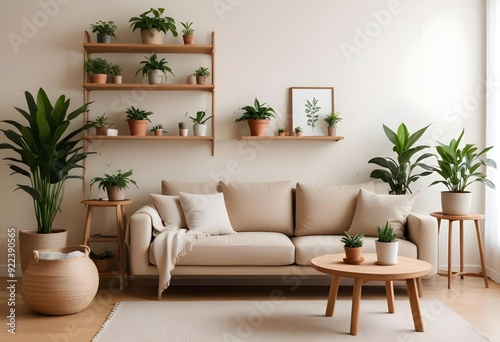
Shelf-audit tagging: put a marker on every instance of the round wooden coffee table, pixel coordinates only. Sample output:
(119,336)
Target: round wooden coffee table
(407,269)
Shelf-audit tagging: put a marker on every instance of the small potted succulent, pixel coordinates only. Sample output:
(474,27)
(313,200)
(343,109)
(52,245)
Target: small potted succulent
(104,30)
(332,120)
(137,120)
(199,126)
(187,33)
(116,73)
(104,261)
(155,69)
(158,130)
(98,69)
(201,74)
(353,248)
(257,116)
(114,184)
(281,132)
(298,131)
(386,246)
(102,122)
(153,26)
(183,131)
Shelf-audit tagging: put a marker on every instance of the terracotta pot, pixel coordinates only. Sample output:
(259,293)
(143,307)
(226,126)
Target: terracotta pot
(101,131)
(158,132)
(332,131)
(105,265)
(138,127)
(188,39)
(281,134)
(353,255)
(387,252)
(456,203)
(152,36)
(299,134)
(115,194)
(201,79)
(30,240)
(98,78)
(258,127)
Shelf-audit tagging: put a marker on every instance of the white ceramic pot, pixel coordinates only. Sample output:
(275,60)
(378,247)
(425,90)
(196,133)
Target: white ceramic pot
(456,203)
(155,76)
(152,36)
(191,79)
(387,252)
(183,132)
(200,130)
(112,132)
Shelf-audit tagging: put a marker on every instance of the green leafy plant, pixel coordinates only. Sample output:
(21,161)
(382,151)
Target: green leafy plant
(104,27)
(115,70)
(298,129)
(103,121)
(400,171)
(257,112)
(182,125)
(352,241)
(312,110)
(200,117)
(119,179)
(157,127)
(202,71)
(281,130)
(152,63)
(153,19)
(47,151)
(386,233)
(332,119)
(137,114)
(187,28)
(97,66)
(459,167)
(101,256)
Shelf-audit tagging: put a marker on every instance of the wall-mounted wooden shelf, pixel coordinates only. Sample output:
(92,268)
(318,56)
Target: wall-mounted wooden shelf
(147,137)
(147,86)
(147,48)
(317,138)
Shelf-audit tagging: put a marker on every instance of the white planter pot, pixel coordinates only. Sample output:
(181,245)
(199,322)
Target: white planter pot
(155,76)
(191,79)
(152,36)
(183,132)
(387,252)
(456,203)
(200,130)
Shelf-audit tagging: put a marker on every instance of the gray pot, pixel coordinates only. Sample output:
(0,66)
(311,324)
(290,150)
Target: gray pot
(155,77)
(103,38)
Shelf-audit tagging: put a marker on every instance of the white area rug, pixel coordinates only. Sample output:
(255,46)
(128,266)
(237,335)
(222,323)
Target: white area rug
(280,320)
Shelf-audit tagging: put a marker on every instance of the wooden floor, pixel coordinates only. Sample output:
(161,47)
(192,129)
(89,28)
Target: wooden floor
(468,298)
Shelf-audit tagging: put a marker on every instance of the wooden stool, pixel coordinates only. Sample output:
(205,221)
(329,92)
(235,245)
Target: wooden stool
(121,219)
(461,218)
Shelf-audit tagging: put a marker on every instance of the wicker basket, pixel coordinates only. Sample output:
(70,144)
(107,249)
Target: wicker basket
(60,286)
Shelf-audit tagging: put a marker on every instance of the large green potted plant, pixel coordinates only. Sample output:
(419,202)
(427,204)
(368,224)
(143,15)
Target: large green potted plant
(137,120)
(257,116)
(459,168)
(153,26)
(399,173)
(155,69)
(46,150)
(114,184)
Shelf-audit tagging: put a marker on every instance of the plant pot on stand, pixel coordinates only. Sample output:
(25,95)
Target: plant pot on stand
(387,252)
(456,203)
(115,193)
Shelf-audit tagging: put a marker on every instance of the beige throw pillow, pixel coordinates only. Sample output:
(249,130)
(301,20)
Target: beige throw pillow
(206,213)
(326,209)
(373,210)
(173,188)
(170,210)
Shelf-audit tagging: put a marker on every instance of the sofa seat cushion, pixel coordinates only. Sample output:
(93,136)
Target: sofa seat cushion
(241,249)
(309,247)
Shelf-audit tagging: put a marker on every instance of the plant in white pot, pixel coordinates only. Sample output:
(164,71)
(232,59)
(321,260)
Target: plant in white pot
(199,126)
(257,116)
(332,121)
(114,184)
(104,30)
(153,26)
(155,69)
(386,246)
(116,72)
(459,168)
(47,151)
(353,248)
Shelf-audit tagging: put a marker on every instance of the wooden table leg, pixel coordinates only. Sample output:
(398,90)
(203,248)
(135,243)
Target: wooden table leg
(332,296)
(414,304)
(461,249)
(88,224)
(356,299)
(389,292)
(420,287)
(450,236)
(481,254)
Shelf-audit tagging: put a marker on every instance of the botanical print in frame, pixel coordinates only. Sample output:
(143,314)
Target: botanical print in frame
(309,105)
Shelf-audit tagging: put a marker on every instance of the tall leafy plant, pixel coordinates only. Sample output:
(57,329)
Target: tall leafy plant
(399,173)
(47,152)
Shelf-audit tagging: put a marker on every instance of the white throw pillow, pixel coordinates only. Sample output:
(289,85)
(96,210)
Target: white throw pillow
(170,210)
(206,213)
(373,210)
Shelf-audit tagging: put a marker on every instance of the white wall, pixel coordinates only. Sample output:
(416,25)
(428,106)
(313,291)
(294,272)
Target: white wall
(416,62)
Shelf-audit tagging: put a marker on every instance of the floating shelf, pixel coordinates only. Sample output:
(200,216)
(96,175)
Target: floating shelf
(147,86)
(317,138)
(147,137)
(147,48)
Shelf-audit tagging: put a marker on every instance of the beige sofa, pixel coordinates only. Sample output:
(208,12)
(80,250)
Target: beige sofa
(279,227)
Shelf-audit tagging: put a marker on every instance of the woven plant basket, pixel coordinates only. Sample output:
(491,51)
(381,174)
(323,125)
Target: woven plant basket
(60,286)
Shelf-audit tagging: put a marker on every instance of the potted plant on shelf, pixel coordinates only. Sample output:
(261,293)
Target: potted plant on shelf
(47,152)
(158,130)
(199,126)
(98,69)
(155,69)
(104,261)
(102,122)
(459,168)
(332,120)
(183,131)
(104,31)
(386,246)
(257,116)
(137,120)
(399,174)
(201,74)
(116,72)
(281,132)
(153,26)
(188,33)
(353,248)
(298,131)
(114,184)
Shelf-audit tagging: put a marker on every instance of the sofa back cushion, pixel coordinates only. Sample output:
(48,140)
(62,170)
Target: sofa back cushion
(173,188)
(259,206)
(326,209)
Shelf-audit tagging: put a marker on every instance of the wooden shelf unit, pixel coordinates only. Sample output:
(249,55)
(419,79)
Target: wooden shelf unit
(290,137)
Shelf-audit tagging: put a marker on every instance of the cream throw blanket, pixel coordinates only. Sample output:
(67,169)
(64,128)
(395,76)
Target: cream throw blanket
(171,242)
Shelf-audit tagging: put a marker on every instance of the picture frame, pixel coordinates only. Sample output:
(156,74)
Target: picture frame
(308,106)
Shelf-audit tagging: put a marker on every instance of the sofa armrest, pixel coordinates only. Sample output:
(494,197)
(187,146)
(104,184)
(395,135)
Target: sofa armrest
(140,234)
(423,232)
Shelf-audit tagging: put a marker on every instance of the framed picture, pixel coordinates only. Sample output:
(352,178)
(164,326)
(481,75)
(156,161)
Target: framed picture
(308,107)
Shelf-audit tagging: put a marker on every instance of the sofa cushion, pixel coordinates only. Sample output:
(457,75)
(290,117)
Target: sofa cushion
(309,247)
(242,249)
(373,210)
(325,209)
(259,206)
(206,213)
(170,210)
(173,188)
